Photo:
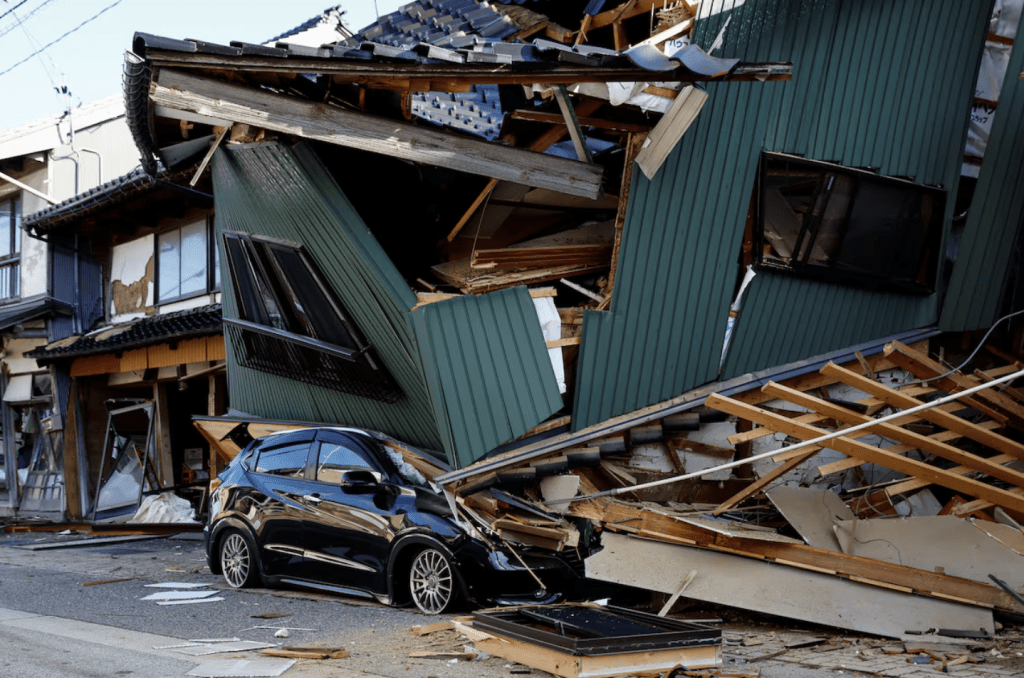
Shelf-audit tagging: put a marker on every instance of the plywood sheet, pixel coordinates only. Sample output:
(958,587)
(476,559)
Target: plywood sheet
(794,593)
(812,513)
(960,547)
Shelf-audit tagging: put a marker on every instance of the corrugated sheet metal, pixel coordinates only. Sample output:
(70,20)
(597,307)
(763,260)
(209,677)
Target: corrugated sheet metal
(993,224)
(485,360)
(875,83)
(273,190)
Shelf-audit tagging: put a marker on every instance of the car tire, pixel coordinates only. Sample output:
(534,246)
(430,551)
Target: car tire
(238,560)
(432,581)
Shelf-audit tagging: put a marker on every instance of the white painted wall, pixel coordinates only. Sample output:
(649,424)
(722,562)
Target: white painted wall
(132,264)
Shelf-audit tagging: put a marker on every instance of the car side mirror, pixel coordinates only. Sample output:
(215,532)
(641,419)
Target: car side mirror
(359,480)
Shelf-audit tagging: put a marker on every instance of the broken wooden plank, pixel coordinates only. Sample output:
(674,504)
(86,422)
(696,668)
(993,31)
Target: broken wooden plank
(995,405)
(633,146)
(766,480)
(562,343)
(898,434)
(305,653)
(941,436)
(871,454)
(670,129)
(432,628)
(374,134)
(946,420)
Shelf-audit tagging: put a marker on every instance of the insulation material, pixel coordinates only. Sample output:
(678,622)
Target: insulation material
(166,507)
(551,326)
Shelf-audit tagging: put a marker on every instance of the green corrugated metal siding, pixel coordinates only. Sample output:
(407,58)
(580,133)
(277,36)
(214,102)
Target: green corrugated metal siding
(485,360)
(272,190)
(993,224)
(875,83)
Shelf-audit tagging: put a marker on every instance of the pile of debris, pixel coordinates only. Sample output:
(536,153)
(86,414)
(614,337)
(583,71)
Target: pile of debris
(847,525)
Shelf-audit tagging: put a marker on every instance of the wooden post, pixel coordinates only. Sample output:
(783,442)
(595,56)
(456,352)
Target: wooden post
(163,461)
(72,473)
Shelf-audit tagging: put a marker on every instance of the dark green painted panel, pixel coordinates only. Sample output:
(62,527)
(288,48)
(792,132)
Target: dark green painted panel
(993,224)
(490,373)
(875,83)
(273,190)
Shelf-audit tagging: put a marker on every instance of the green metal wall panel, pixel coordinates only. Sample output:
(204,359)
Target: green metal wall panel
(875,83)
(273,190)
(993,224)
(490,373)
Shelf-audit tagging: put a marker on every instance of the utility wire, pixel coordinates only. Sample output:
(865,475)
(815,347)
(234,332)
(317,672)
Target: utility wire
(23,19)
(51,44)
(13,8)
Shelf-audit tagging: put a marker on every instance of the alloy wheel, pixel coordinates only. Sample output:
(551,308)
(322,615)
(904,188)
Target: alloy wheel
(432,581)
(235,560)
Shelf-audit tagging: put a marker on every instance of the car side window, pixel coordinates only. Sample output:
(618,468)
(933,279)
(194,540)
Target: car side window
(335,459)
(286,460)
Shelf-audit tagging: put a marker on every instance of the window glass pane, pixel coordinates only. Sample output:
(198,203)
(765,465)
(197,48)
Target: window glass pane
(193,258)
(7,219)
(216,268)
(335,459)
(16,225)
(311,302)
(169,263)
(287,460)
(887,232)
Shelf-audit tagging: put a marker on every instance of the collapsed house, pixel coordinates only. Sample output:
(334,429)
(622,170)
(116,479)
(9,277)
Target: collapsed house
(567,260)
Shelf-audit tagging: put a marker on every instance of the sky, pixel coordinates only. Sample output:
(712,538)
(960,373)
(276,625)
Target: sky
(89,61)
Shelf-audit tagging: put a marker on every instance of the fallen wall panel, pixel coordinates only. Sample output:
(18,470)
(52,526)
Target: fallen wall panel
(797,594)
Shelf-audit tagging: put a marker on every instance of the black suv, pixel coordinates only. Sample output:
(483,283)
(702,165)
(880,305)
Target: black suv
(335,509)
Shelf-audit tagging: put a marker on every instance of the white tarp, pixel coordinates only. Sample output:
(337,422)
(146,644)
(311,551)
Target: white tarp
(166,507)
(991,74)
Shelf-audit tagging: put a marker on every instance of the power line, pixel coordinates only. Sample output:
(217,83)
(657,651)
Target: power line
(26,18)
(13,8)
(93,18)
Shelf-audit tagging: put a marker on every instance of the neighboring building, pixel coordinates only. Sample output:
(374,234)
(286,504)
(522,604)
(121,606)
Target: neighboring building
(45,161)
(152,357)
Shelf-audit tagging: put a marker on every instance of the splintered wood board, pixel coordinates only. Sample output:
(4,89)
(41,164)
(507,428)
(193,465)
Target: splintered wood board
(598,666)
(820,598)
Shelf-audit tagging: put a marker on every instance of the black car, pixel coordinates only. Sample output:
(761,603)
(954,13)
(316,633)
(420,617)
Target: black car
(338,510)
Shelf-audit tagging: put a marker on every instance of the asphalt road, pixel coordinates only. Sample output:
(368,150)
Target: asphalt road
(62,614)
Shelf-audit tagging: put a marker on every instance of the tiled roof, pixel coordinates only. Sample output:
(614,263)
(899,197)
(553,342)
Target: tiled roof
(115,191)
(196,322)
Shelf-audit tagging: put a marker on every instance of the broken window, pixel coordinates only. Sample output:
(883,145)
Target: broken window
(291,323)
(10,249)
(847,225)
(187,265)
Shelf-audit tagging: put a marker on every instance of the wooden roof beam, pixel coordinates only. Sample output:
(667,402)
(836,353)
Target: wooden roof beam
(407,141)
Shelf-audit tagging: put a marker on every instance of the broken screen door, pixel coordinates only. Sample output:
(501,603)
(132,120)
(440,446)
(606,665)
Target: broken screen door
(126,461)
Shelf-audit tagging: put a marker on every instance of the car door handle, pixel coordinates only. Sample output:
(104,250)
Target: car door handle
(312,498)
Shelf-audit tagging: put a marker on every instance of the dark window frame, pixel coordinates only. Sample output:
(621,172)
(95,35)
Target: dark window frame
(212,285)
(302,471)
(835,244)
(10,265)
(306,326)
